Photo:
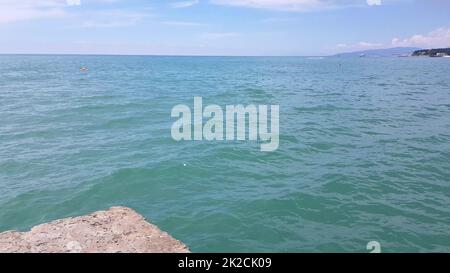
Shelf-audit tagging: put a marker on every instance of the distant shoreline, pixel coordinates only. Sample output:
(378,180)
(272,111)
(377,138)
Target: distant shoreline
(152,55)
(208,56)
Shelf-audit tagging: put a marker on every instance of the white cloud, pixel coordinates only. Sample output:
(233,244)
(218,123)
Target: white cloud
(22,10)
(291,5)
(342,45)
(184,4)
(14,10)
(73,2)
(111,18)
(374,2)
(360,46)
(437,38)
(220,35)
(279,20)
(300,5)
(183,23)
(369,45)
(296,5)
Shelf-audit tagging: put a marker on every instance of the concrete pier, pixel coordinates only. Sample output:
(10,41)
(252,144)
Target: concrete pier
(118,229)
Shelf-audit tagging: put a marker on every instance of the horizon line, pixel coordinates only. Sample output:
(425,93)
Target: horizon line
(152,55)
(202,55)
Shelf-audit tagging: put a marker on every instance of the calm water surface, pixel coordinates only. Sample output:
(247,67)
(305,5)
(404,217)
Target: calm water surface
(364,151)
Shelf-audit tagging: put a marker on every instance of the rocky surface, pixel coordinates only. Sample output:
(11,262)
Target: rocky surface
(118,229)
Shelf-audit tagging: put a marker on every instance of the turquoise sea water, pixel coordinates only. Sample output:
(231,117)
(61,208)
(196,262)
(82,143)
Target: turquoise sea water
(364,152)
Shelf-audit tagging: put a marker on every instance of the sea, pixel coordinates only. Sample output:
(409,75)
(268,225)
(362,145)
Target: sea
(364,150)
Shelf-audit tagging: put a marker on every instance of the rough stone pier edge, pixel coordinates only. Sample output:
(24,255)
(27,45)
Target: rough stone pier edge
(118,229)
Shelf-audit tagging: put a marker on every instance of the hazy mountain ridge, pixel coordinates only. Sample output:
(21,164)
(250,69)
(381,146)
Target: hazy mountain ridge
(386,52)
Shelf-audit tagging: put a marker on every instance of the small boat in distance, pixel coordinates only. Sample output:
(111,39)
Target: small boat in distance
(84,69)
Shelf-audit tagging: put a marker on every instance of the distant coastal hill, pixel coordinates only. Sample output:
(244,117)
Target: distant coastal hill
(436,52)
(387,52)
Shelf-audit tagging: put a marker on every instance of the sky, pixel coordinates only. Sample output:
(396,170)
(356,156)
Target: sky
(220,27)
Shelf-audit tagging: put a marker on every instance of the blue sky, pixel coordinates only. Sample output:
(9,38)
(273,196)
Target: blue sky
(220,27)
